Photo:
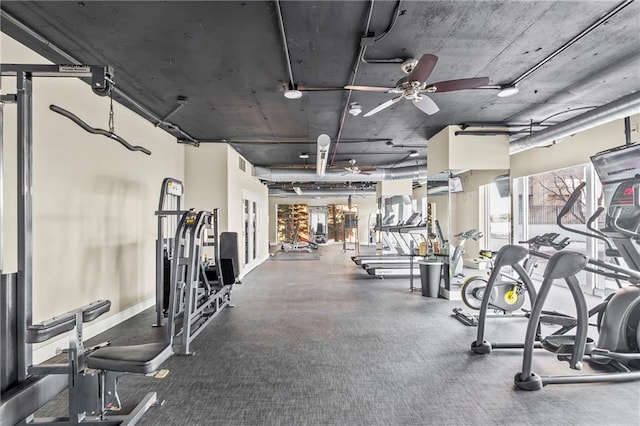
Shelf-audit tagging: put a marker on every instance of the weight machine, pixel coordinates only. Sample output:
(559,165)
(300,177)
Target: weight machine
(90,374)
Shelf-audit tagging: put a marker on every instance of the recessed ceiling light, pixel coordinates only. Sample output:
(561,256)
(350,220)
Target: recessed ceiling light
(304,155)
(507,91)
(413,154)
(292,94)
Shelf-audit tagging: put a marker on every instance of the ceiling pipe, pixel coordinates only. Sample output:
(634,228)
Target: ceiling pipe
(292,92)
(323,194)
(353,79)
(332,175)
(513,84)
(624,107)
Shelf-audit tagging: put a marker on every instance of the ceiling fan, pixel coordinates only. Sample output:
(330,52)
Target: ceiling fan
(413,86)
(355,170)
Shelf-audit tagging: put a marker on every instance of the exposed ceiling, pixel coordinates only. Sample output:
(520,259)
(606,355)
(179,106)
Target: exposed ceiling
(228,59)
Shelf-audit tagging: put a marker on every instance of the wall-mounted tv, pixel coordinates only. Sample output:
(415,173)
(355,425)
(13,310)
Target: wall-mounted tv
(618,164)
(455,184)
(503,183)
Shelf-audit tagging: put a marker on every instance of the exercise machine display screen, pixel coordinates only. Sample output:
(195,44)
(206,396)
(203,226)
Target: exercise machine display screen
(618,164)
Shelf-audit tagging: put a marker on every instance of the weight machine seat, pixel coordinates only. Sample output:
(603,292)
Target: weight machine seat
(136,359)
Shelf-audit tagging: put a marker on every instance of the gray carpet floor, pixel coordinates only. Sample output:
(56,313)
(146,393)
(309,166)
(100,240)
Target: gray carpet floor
(323,343)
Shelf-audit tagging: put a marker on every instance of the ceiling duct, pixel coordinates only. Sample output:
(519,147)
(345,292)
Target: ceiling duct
(331,175)
(624,107)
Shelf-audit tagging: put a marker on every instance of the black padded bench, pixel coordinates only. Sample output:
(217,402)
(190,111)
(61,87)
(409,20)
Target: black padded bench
(136,359)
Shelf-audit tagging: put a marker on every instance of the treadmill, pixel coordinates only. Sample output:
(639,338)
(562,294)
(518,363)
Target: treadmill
(392,239)
(398,266)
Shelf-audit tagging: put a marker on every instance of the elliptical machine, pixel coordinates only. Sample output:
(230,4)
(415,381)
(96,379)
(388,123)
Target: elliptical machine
(618,344)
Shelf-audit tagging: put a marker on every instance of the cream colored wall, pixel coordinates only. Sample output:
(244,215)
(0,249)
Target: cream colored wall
(474,152)
(93,200)
(206,169)
(394,187)
(438,152)
(238,182)
(214,180)
(573,150)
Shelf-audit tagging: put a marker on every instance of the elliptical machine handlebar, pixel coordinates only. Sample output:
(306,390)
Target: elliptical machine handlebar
(472,234)
(568,206)
(547,240)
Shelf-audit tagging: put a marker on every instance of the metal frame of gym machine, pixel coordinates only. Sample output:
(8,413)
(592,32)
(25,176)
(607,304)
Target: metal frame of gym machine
(171,193)
(194,299)
(26,387)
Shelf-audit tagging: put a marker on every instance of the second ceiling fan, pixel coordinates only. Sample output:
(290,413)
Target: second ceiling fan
(413,86)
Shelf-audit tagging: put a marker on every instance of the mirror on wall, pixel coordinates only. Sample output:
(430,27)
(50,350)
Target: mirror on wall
(293,219)
(318,224)
(472,214)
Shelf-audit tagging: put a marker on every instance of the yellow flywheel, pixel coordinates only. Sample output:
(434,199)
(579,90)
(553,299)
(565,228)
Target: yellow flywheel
(511,297)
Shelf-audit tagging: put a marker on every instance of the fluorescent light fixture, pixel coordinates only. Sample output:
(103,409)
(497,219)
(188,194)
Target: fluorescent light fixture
(297,190)
(304,156)
(292,94)
(323,153)
(413,154)
(506,91)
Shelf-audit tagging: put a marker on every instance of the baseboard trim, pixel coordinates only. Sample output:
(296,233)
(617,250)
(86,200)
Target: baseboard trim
(250,267)
(47,351)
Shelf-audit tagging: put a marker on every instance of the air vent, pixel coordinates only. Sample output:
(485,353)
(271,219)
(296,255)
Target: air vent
(242,164)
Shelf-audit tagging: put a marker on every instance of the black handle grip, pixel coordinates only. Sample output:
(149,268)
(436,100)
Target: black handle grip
(71,116)
(573,198)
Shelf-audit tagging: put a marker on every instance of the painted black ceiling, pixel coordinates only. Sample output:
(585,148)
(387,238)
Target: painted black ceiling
(228,59)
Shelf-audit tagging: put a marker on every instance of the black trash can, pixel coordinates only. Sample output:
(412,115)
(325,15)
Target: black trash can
(430,274)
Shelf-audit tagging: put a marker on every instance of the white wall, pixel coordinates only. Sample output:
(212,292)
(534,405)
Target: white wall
(94,226)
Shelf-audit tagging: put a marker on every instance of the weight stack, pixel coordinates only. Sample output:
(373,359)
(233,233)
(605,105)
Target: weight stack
(229,265)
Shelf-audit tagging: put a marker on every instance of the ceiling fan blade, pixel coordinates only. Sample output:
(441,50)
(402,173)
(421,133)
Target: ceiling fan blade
(304,88)
(426,105)
(369,88)
(383,106)
(423,70)
(461,84)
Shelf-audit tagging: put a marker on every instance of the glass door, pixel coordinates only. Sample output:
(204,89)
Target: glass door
(250,231)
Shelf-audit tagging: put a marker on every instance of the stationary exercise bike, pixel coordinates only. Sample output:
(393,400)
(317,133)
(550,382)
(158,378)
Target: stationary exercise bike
(509,293)
(456,257)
